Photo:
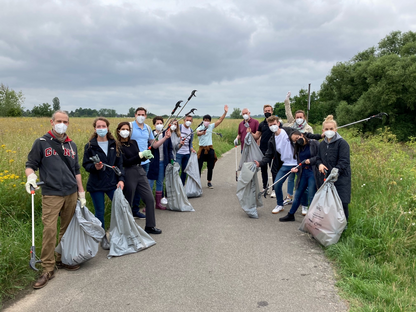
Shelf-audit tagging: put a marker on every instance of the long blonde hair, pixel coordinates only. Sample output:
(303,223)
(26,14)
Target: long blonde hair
(328,119)
(178,129)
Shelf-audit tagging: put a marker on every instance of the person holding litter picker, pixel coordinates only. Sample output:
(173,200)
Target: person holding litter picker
(206,152)
(102,154)
(185,146)
(55,155)
(334,152)
(305,151)
(135,179)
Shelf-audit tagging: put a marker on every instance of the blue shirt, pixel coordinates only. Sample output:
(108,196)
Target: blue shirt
(142,137)
(206,139)
(104,146)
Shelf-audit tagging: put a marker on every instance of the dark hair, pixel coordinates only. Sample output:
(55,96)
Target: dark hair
(189,116)
(297,147)
(109,135)
(157,118)
(141,108)
(206,117)
(300,112)
(121,124)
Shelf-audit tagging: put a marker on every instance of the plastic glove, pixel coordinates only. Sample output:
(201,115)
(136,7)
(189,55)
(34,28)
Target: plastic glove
(172,162)
(31,181)
(146,154)
(236,142)
(82,200)
(288,95)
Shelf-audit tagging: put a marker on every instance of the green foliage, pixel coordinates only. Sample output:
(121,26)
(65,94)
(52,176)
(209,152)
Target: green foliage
(236,114)
(11,102)
(84,112)
(56,104)
(42,110)
(131,112)
(107,112)
(279,109)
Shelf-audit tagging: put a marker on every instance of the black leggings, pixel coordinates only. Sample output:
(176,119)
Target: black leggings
(210,159)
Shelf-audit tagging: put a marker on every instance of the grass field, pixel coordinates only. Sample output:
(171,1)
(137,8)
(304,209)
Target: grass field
(375,259)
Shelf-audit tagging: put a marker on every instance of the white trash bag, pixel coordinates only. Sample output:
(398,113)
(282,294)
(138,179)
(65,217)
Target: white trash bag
(251,151)
(175,192)
(82,237)
(325,220)
(125,235)
(248,189)
(193,186)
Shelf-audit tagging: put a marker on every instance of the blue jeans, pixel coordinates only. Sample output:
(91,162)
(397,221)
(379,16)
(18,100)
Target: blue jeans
(99,204)
(160,177)
(307,182)
(291,183)
(182,160)
(136,201)
(278,186)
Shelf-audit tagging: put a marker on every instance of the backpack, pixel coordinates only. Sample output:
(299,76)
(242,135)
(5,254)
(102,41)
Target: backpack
(148,128)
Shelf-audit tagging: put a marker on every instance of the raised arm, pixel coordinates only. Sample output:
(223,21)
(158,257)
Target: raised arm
(288,110)
(217,123)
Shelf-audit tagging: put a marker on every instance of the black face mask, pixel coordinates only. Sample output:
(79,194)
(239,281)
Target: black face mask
(267,115)
(300,141)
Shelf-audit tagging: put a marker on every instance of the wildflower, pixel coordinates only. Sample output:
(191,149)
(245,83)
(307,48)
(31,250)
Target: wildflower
(8,151)
(401,179)
(14,152)
(11,160)
(16,177)
(3,146)
(22,183)
(6,171)
(413,224)
(14,185)
(410,211)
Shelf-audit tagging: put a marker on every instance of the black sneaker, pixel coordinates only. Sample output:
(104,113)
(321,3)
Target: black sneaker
(152,230)
(288,217)
(139,215)
(210,185)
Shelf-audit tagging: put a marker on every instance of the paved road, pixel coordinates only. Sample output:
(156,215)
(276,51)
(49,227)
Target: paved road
(213,259)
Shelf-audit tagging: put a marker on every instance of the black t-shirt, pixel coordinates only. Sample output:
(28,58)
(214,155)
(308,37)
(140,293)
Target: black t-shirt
(265,135)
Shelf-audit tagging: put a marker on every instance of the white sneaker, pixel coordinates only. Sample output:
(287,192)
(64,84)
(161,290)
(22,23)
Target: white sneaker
(304,210)
(277,209)
(287,201)
(273,194)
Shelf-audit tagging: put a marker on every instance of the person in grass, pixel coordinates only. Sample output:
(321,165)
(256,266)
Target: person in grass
(135,176)
(334,152)
(206,152)
(55,155)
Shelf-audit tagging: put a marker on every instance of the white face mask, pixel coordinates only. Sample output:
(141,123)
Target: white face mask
(173,127)
(245,116)
(274,128)
(159,127)
(60,128)
(124,133)
(329,134)
(140,119)
(188,123)
(299,121)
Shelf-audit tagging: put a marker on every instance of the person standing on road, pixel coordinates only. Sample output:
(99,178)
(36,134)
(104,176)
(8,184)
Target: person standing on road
(55,155)
(206,152)
(135,176)
(185,146)
(175,137)
(334,152)
(247,125)
(102,180)
(298,123)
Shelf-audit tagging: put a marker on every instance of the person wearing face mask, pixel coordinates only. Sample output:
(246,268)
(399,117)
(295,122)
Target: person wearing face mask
(102,180)
(162,157)
(334,152)
(55,155)
(185,146)
(305,150)
(175,137)
(206,152)
(135,176)
(247,125)
(299,123)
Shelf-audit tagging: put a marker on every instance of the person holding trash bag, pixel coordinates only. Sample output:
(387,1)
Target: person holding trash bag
(206,152)
(102,179)
(175,137)
(334,152)
(185,146)
(135,175)
(298,123)
(162,156)
(305,151)
(247,125)
(55,155)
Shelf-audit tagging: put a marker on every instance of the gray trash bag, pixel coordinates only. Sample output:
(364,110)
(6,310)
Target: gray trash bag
(248,189)
(251,151)
(82,237)
(193,186)
(175,192)
(125,235)
(325,220)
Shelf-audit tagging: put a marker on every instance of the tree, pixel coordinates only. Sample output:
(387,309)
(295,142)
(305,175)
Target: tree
(236,114)
(42,110)
(131,112)
(11,102)
(279,109)
(56,104)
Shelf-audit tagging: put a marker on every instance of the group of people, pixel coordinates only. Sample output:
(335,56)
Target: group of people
(286,146)
(133,159)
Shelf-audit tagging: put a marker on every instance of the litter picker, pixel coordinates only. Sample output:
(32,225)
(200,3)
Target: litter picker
(189,98)
(236,165)
(192,111)
(33,259)
(379,116)
(96,160)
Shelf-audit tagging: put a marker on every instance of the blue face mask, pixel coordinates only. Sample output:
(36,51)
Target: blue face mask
(102,132)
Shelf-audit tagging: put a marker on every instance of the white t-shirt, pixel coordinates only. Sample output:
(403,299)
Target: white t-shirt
(184,150)
(104,146)
(285,148)
(160,147)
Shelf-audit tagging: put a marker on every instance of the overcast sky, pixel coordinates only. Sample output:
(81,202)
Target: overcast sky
(122,54)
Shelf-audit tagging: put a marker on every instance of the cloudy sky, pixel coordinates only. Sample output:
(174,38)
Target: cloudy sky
(122,54)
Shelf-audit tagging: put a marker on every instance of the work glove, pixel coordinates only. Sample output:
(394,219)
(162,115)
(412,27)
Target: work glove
(236,142)
(288,95)
(146,154)
(172,162)
(31,181)
(82,200)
